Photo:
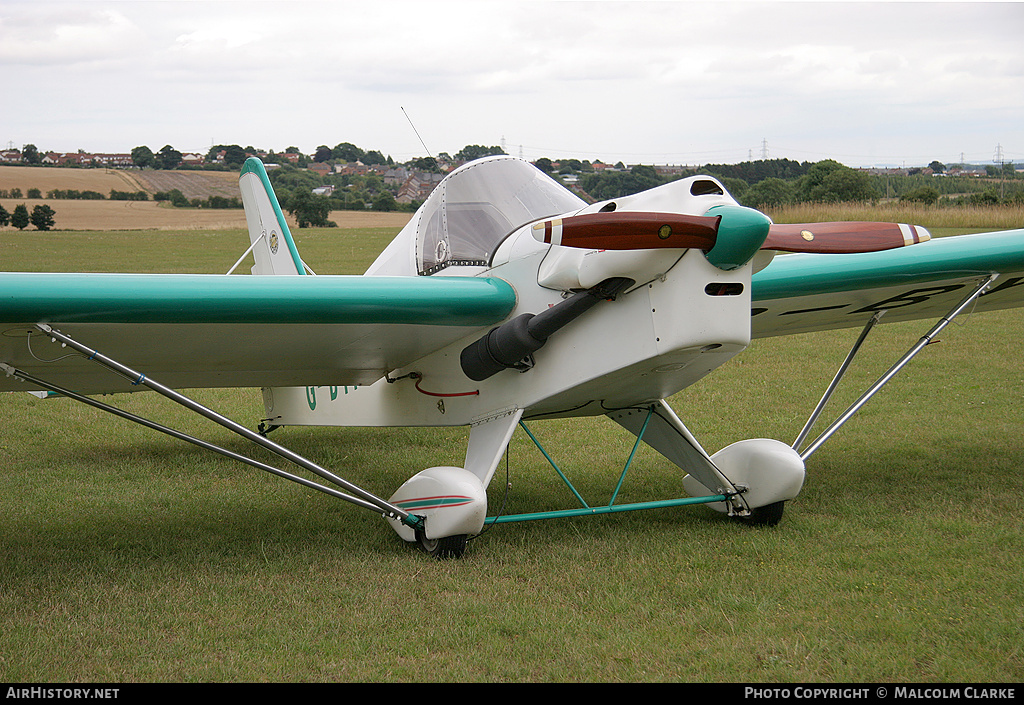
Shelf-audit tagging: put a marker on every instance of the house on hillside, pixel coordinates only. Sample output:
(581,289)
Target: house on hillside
(193,159)
(87,159)
(396,176)
(352,169)
(112,160)
(67,159)
(672,169)
(418,186)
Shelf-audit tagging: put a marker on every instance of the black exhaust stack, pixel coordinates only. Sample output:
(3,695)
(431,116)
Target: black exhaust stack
(509,345)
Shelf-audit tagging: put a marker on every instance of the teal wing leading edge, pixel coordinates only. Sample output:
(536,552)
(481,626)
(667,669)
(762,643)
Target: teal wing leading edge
(799,293)
(228,331)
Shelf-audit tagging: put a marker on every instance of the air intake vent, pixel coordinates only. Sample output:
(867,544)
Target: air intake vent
(704,187)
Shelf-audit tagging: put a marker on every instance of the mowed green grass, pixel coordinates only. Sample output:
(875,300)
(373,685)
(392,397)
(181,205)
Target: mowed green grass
(129,556)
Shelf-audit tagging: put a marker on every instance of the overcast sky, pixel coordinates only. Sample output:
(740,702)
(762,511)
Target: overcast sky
(652,82)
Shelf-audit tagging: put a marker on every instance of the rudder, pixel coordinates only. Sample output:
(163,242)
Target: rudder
(273,248)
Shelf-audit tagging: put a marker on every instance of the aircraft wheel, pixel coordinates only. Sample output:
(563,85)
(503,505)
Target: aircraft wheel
(443,548)
(768,515)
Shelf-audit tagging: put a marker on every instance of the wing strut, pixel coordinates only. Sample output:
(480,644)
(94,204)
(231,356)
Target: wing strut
(362,498)
(835,380)
(21,374)
(884,379)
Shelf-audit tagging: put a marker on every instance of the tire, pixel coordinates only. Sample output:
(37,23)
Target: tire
(443,548)
(768,515)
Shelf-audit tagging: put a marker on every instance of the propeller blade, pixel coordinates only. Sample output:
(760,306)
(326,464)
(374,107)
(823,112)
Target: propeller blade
(842,237)
(629,230)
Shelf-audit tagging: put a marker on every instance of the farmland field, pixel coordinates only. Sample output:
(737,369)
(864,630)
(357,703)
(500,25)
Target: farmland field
(150,215)
(194,184)
(197,183)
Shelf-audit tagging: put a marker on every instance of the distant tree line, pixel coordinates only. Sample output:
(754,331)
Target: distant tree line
(76,195)
(71,194)
(233,157)
(179,200)
(771,183)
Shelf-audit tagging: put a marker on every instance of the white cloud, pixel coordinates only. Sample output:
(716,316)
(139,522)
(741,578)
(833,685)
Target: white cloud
(660,81)
(64,36)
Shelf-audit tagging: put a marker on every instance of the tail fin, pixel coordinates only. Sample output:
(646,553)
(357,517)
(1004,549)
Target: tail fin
(272,244)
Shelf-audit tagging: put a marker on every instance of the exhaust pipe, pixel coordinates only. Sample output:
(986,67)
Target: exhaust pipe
(509,345)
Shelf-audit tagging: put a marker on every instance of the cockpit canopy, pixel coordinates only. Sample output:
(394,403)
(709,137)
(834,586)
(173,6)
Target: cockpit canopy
(478,205)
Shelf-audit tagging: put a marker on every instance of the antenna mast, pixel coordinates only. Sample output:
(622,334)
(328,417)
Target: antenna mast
(429,154)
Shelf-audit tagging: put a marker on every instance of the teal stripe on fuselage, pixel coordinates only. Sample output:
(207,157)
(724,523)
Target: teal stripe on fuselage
(255,166)
(942,258)
(209,298)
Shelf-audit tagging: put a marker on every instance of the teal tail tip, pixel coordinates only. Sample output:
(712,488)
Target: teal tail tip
(253,165)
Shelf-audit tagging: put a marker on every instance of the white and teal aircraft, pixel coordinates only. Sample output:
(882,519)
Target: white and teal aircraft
(505,299)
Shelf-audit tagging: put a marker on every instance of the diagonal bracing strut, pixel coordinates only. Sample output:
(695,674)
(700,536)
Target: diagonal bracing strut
(884,379)
(148,423)
(362,497)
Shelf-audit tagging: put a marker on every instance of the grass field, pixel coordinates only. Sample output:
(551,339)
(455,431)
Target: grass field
(1005,217)
(127,556)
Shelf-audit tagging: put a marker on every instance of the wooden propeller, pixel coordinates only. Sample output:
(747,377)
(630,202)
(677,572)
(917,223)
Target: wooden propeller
(842,237)
(625,230)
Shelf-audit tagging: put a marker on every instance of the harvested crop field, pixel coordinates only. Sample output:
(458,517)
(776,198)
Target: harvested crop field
(47,178)
(194,184)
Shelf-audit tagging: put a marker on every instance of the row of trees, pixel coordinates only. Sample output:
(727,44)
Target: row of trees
(781,181)
(71,194)
(179,200)
(42,217)
(347,153)
(772,183)
(233,156)
(831,182)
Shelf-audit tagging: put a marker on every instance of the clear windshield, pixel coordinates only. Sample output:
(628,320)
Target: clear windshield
(475,207)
